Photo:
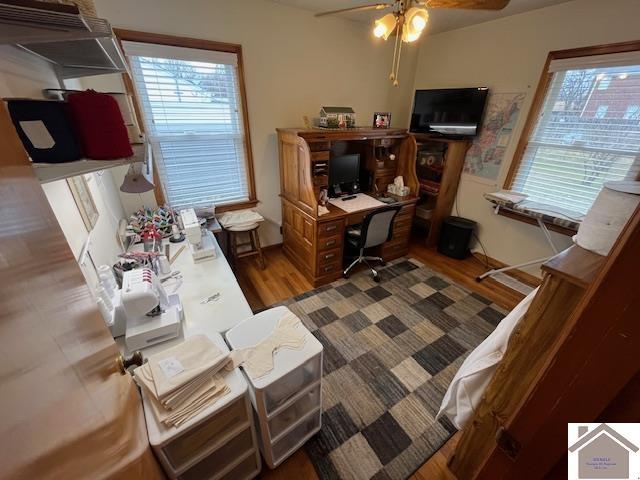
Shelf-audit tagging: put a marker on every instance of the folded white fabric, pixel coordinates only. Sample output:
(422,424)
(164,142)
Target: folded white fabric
(258,360)
(183,380)
(241,219)
(475,373)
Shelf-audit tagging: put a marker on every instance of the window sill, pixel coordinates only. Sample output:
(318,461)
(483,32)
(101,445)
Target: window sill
(236,206)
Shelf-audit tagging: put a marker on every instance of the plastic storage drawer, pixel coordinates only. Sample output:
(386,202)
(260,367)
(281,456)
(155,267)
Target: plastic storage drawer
(295,438)
(280,391)
(301,407)
(247,468)
(220,459)
(203,436)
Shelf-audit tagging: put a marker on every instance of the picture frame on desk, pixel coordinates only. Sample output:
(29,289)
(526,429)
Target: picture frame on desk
(381,120)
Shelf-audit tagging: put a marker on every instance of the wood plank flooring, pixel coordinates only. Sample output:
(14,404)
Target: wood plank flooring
(281,280)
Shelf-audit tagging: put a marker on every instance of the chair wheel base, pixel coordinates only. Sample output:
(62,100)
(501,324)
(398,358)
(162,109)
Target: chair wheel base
(376,278)
(345,275)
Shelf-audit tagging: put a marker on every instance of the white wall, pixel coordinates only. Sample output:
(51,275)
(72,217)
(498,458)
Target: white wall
(23,75)
(508,55)
(294,63)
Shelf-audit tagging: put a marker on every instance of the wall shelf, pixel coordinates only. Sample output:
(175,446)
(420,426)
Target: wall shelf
(76,45)
(50,172)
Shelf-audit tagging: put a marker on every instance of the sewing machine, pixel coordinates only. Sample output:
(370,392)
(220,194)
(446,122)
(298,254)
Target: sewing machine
(152,315)
(200,240)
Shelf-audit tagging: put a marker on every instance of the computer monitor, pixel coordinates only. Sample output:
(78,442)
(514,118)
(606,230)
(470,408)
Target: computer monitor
(344,169)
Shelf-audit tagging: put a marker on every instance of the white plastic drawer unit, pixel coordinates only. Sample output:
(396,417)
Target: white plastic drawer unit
(280,391)
(220,462)
(305,403)
(294,439)
(207,435)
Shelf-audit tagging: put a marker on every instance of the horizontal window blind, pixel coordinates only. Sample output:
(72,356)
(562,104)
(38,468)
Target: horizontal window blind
(191,104)
(587,133)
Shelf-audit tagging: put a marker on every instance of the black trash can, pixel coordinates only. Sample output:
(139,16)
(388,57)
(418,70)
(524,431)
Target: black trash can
(455,237)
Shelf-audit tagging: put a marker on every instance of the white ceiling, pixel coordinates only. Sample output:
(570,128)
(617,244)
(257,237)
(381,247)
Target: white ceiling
(440,19)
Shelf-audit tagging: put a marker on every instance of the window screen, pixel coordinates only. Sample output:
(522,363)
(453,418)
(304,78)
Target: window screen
(587,132)
(191,105)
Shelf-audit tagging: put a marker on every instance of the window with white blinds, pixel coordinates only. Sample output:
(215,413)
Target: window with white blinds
(587,131)
(191,104)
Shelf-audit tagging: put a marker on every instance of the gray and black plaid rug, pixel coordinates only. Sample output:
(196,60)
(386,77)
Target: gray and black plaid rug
(390,351)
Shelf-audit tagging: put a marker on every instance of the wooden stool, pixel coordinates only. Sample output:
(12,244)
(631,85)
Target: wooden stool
(254,243)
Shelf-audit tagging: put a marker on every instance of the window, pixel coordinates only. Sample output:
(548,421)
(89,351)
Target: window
(192,105)
(580,135)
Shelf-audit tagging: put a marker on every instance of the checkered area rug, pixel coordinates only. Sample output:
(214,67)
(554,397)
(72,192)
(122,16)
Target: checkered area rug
(391,350)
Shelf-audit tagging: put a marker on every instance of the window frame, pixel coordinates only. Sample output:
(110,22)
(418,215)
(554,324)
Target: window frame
(186,42)
(541,92)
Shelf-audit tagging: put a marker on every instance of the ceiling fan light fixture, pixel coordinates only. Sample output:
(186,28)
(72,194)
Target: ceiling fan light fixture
(385,26)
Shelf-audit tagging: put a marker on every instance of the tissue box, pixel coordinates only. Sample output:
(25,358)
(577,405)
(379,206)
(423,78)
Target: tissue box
(399,191)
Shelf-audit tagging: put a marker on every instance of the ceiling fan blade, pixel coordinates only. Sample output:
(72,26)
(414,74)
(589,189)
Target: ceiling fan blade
(375,6)
(467,4)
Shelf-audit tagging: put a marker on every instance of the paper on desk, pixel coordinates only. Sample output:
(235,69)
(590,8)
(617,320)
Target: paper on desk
(361,202)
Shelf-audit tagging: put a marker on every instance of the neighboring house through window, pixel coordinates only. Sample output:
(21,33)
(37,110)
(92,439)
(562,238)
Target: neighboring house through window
(632,112)
(601,111)
(580,135)
(194,116)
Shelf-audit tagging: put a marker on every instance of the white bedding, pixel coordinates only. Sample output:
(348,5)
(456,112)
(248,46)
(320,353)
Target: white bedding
(474,375)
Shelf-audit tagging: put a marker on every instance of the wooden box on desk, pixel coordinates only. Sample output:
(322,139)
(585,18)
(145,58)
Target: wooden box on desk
(313,243)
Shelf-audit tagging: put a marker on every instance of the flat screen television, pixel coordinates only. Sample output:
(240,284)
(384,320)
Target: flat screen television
(449,111)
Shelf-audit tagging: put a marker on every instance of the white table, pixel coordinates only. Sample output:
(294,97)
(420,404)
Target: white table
(200,281)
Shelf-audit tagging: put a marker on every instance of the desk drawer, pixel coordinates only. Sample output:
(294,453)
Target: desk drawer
(328,256)
(328,243)
(330,268)
(329,229)
(317,146)
(401,233)
(356,218)
(403,222)
(315,156)
(395,248)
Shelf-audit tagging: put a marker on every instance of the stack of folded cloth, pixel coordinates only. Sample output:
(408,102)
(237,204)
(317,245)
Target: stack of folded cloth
(240,220)
(184,380)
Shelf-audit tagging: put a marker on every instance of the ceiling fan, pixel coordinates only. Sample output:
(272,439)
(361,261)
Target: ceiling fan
(408,19)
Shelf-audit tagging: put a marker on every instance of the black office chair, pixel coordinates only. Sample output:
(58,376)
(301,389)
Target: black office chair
(376,228)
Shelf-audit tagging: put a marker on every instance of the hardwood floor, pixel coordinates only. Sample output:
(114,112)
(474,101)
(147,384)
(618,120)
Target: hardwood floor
(281,280)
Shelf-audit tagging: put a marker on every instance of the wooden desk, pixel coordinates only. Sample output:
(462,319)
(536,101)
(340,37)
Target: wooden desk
(315,243)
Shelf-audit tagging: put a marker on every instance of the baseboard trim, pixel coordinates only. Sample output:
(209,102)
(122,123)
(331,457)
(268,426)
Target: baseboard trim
(272,247)
(519,275)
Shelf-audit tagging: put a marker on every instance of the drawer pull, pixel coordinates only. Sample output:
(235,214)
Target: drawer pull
(330,243)
(329,255)
(331,228)
(328,268)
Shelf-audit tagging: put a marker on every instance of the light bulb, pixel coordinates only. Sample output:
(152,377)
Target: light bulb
(385,26)
(418,22)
